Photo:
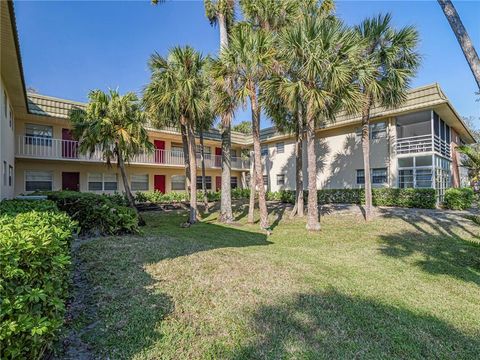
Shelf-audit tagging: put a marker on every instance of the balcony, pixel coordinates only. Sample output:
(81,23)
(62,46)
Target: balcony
(421,144)
(33,147)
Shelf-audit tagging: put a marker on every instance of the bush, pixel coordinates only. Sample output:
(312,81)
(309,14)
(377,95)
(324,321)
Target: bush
(411,198)
(340,196)
(34,268)
(96,214)
(158,197)
(458,199)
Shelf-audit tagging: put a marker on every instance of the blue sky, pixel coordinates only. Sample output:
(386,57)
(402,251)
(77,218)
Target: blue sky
(71,47)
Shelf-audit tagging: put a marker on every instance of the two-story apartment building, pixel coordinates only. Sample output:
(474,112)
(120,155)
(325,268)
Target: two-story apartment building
(411,146)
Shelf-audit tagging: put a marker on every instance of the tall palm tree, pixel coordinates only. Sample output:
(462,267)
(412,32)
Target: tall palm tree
(462,37)
(222,13)
(113,124)
(392,62)
(204,123)
(248,60)
(178,90)
(325,55)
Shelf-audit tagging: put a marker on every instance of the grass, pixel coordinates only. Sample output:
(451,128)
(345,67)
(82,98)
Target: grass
(392,288)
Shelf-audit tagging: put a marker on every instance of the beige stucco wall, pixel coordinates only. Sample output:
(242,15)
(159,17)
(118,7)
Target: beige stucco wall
(57,167)
(7,153)
(339,155)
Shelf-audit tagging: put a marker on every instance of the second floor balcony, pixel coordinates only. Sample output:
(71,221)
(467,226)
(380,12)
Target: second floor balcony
(34,147)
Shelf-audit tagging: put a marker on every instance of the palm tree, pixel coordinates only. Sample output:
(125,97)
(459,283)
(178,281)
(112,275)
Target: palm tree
(247,60)
(113,124)
(204,123)
(462,37)
(325,56)
(222,13)
(471,161)
(392,62)
(178,90)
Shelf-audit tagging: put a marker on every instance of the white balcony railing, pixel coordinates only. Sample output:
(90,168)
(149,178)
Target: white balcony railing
(422,143)
(58,149)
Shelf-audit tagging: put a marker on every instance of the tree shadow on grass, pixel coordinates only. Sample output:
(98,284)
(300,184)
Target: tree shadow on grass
(122,306)
(330,325)
(440,242)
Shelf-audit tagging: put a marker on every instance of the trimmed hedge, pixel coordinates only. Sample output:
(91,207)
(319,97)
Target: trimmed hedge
(458,198)
(34,267)
(97,214)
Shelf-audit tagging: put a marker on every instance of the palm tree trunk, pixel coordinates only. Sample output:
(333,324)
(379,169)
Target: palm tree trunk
(251,204)
(462,37)
(226,214)
(202,159)
(262,204)
(298,208)
(366,159)
(183,130)
(312,218)
(193,172)
(126,186)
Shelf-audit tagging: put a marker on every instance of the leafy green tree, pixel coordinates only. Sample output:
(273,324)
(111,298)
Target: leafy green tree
(471,161)
(115,125)
(178,92)
(325,57)
(392,62)
(244,127)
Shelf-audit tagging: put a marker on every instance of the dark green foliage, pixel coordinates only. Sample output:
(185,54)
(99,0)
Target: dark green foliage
(458,199)
(411,198)
(340,196)
(34,268)
(97,214)
(159,197)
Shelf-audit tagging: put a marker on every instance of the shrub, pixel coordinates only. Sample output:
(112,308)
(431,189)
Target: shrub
(458,199)
(159,197)
(340,196)
(34,268)
(96,214)
(239,193)
(411,198)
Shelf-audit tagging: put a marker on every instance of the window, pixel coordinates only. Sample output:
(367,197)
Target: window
(38,180)
(360,176)
(233,153)
(378,130)
(95,182)
(139,182)
(405,178)
(423,178)
(177,149)
(207,150)
(264,151)
(379,176)
(208,182)
(5,103)
(280,147)
(233,182)
(10,175)
(178,182)
(265,179)
(10,118)
(280,179)
(38,134)
(102,182)
(5,173)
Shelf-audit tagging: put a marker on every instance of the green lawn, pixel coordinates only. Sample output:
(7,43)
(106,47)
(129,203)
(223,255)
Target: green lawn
(392,288)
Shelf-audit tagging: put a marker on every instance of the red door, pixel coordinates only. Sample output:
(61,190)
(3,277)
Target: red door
(218,157)
(69,146)
(159,183)
(218,183)
(159,151)
(71,181)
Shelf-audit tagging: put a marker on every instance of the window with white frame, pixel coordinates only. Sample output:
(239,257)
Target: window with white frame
(264,150)
(281,179)
(102,182)
(36,180)
(379,176)
(405,178)
(139,182)
(178,182)
(233,182)
(10,175)
(280,147)
(265,179)
(38,134)
(360,176)
(177,149)
(208,182)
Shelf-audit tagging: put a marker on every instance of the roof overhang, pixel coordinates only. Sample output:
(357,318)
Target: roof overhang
(11,63)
